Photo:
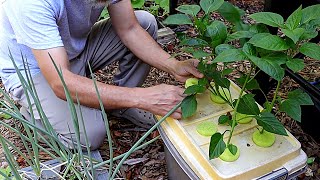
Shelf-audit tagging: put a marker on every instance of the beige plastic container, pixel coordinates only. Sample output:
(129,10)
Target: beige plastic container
(189,150)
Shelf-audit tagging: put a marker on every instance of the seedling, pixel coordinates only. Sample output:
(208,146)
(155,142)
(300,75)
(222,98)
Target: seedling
(217,45)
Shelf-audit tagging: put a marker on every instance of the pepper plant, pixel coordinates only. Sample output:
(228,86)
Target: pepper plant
(216,45)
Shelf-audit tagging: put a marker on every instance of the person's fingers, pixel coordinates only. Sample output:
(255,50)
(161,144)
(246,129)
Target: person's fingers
(193,68)
(179,91)
(195,62)
(194,71)
(176,115)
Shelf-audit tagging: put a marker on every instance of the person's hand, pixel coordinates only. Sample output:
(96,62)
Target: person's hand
(186,69)
(161,99)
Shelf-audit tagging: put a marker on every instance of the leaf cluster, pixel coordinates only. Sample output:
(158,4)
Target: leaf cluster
(272,54)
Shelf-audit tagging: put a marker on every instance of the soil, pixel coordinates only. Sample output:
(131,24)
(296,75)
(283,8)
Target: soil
(149,163)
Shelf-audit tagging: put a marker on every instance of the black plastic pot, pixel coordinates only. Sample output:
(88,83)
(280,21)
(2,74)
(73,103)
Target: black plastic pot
(310,115)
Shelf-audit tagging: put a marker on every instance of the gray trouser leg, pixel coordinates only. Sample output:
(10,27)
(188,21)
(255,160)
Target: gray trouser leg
(59,116)
(103,47)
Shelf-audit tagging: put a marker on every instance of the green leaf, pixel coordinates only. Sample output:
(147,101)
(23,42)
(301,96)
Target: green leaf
(309,34)
(233,149)
(188,49)
(259,28)
(295,64)
(239,35)
(294,34)
(253,84)
(294,19)
(218,80)
(270,123)
(292,109)
(300,97)
(189,106)
(189,9)
(194,89)
(227,71)
(5,116)
(203,81)
(268,66)
(315,22)
(310,29)
(6,171)
(291,106)
(217,28)
(240,26)
(231,122)
(201,25)
(247,105)
(277,57)
(310,49)
(210,5)
(267,106)
(177,19)
(217,31)
(310,13)
(231,55)
(310,160)
(223,119)
(268,18)
(222,47)
(217,146)
(230,12)
(269,42)
(249,49)
(200,54)
(194,42)
(137,4)
(208,69)
(164,4)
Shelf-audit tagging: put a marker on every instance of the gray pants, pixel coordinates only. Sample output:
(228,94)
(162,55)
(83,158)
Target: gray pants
(103,47)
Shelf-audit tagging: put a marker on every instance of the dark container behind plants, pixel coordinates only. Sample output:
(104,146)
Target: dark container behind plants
(310,115)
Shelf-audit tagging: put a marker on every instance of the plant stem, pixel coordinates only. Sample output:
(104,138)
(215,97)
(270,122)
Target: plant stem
(237,104)
(69,166)
(254,75)
(274,96)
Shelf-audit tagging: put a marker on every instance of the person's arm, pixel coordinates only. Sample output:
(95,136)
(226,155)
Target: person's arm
(158,99)
(142,44)
(83,87)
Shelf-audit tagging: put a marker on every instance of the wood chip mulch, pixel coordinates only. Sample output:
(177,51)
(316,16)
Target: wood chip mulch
(149,163)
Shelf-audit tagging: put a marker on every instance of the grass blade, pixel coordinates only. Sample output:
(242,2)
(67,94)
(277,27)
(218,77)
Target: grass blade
(106,121)
(143,137)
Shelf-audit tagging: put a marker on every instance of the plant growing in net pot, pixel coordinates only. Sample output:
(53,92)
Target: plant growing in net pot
(217,45)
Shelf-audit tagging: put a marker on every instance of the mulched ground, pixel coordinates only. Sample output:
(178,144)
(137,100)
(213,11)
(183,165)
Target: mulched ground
(149,163)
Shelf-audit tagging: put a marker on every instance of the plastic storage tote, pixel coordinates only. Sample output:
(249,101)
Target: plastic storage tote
(187,152)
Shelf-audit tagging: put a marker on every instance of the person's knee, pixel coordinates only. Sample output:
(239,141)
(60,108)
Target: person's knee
(147,22)
(95,137)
